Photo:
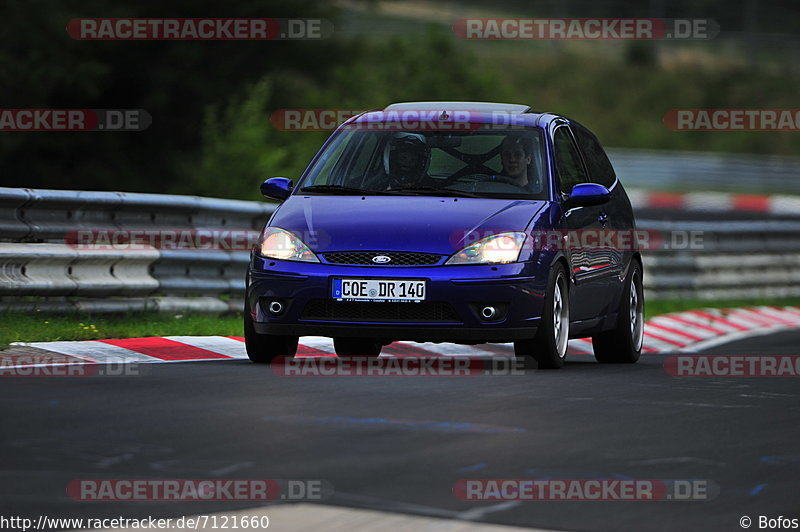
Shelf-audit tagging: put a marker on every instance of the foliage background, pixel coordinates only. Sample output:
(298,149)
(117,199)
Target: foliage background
(211,101)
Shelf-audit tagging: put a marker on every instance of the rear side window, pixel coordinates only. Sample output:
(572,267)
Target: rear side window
(568,162)
(600,169)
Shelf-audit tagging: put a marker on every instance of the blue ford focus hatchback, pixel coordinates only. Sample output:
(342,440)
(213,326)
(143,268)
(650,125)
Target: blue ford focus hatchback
(456,222)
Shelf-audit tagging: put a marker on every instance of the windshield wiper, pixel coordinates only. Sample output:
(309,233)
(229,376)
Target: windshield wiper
(335,189)
(433,191)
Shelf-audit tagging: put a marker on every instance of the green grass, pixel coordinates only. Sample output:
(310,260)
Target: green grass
(39,327)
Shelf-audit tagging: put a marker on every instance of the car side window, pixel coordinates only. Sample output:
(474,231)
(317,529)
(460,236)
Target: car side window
(568,162)
(331,160)
(600,169)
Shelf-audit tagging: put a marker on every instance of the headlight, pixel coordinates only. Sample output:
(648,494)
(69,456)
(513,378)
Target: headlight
(496,249)
(277,243)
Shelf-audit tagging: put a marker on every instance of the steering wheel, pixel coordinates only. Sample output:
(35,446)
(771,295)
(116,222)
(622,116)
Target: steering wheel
(500,178)
(467,175)
(473,177)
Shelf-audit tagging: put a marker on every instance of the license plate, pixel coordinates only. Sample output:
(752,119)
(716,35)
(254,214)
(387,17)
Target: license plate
(394,290)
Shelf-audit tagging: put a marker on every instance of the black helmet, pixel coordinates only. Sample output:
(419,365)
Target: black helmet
(406,157)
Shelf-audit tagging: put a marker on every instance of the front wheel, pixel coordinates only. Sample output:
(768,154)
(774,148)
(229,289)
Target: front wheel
(549,347)
(623,344)
(263,348)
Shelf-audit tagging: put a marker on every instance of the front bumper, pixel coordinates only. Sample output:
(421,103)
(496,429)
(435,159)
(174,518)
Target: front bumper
(516,289)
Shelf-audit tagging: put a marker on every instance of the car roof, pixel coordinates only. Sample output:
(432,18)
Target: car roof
(472,112)
(485,107)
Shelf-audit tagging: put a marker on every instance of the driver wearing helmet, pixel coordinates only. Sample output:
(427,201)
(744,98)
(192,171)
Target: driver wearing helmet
(405,160)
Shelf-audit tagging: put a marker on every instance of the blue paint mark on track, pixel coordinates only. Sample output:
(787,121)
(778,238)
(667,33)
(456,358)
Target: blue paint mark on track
(472,468)
(781,460)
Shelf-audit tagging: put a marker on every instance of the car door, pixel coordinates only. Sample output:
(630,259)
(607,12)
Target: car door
(617,212)
(588,264)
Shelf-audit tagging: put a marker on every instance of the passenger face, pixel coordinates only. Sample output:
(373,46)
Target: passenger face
(514,159)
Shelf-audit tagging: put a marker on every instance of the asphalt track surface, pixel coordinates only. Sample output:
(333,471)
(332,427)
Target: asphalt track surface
(399,444)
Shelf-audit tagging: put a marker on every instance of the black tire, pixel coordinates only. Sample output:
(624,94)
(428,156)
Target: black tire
(623,344)
(357,347)
(263,348)
(549,348)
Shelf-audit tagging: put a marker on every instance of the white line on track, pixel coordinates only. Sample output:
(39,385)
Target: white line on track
(733,337)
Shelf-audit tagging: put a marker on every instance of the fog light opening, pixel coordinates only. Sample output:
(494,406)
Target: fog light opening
(275,308)
(488,313)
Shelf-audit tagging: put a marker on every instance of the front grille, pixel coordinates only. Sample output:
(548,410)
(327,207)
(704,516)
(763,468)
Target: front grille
(422,312)
(398,258)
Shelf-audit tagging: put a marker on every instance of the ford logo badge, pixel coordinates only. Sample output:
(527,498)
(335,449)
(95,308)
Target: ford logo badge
(381,259)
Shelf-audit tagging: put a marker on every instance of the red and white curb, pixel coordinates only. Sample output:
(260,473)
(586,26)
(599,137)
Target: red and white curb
(679,332)
(714,202)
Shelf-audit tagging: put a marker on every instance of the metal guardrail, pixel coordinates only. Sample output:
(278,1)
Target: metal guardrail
(36,260)
(737,259)
(688,170)
(48,215)
(59,270)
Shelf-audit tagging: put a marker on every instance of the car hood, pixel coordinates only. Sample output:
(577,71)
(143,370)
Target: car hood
(400,223)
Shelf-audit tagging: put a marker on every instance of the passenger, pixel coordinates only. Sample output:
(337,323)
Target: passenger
(515,154)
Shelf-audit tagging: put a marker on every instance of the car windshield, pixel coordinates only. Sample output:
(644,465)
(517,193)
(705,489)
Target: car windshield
(486,162)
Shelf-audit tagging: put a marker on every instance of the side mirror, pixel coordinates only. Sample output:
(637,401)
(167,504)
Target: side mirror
(588,194)
(277,188)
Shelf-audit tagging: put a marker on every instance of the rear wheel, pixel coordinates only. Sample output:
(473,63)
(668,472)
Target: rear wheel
(623,344)
(263,348)
(549,347)
(357,347)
